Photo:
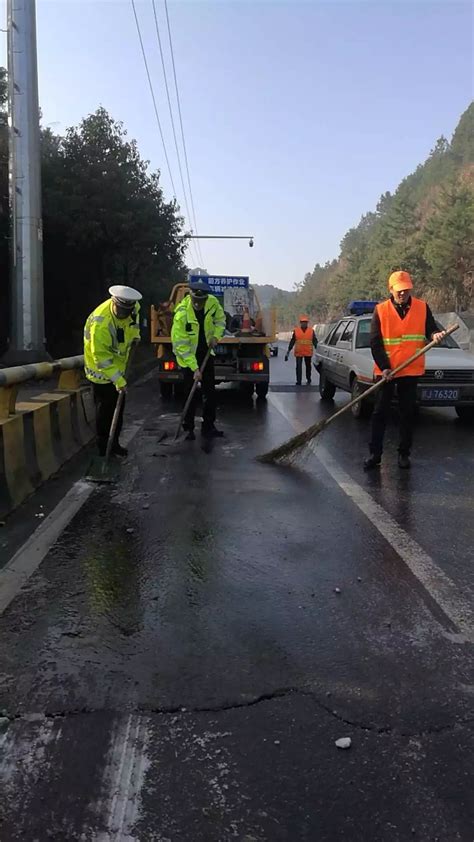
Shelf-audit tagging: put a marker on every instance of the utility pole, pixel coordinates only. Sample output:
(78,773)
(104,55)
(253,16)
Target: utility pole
(27,332)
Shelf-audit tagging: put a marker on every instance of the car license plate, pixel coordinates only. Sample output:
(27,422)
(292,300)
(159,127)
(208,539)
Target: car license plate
(440,394)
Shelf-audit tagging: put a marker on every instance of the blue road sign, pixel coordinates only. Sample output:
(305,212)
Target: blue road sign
(219,283)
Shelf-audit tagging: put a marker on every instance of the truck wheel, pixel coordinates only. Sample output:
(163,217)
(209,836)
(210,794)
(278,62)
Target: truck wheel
(465,413)
(327,390)
(363,408)
(166,390)
(261,390)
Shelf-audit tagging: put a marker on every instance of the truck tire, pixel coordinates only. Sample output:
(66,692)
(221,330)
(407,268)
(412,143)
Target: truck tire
(261,390)
(166,390)
(327,390)
(465,413)
(363,409)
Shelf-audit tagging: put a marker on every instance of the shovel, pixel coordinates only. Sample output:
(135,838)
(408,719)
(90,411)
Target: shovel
(99,470)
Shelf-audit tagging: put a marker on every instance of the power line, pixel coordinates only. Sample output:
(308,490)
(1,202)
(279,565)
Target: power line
(180,116)
(153,96)
(198,251)
(150,83)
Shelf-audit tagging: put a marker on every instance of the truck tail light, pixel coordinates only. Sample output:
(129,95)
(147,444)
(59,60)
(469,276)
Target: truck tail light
(169,366)
(257,367)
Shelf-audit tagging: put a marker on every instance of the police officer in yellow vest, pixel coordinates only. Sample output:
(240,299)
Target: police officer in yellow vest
(198,324)
(109,333)
(303,340)
(400,326)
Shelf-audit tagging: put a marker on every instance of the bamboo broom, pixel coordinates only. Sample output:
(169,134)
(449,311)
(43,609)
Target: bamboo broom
(292,449)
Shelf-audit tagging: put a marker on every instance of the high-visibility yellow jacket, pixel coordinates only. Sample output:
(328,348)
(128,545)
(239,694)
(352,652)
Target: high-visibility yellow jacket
(185,330)
(107,343)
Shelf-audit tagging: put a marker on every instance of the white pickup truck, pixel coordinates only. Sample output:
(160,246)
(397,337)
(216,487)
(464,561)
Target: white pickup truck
(344,361)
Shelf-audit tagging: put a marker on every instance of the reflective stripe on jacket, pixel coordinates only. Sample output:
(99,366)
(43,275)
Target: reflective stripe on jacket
(304,342)
(105,357)
(185,329)
(403,337)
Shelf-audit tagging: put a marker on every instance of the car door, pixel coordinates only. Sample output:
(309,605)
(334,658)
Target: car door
(343,350)
(329,352)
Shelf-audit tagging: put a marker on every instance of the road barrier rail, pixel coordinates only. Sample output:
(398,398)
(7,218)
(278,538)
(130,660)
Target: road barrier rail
(40,433)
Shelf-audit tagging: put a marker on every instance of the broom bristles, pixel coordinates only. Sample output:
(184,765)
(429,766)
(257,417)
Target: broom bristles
(293,448)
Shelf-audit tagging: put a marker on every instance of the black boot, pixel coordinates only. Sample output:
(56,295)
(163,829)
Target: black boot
(372,462)
(403,461)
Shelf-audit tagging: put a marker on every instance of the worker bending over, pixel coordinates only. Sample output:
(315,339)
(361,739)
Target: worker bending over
(303,340)
(109,333)
(198,324)
(400,327)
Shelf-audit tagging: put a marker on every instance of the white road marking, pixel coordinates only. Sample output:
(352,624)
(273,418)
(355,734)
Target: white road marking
(28,558)
(439,586)
(124,777)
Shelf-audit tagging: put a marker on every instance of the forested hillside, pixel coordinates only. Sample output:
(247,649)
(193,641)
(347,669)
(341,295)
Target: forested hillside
(425,227)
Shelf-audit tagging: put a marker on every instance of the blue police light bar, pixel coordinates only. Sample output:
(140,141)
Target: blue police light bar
(360,308)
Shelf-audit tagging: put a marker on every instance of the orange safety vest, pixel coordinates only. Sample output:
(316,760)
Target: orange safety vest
(304,342)
(403,337)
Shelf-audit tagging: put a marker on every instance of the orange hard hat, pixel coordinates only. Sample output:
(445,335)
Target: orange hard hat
(400,280)
(304,318)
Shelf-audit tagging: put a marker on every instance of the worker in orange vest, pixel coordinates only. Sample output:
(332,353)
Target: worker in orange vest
(303,340)
(400,326)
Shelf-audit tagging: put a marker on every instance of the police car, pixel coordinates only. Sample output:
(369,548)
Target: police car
(344,361)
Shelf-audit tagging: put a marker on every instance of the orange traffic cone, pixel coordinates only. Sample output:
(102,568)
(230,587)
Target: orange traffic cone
(246,324)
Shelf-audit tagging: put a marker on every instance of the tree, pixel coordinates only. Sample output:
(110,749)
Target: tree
(449,246)
(105,222)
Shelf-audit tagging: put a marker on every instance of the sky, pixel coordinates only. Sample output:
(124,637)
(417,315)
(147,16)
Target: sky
(297,115)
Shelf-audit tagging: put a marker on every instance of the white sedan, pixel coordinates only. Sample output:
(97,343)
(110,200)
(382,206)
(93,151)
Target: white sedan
(344,361)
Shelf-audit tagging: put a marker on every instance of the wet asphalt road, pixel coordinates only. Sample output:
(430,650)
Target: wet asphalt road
(180,665)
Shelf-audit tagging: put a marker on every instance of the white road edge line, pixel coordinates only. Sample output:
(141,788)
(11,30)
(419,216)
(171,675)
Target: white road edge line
(435,581)
(28,558)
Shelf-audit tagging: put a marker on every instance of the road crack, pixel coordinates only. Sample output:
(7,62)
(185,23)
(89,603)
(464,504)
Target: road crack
(241,704)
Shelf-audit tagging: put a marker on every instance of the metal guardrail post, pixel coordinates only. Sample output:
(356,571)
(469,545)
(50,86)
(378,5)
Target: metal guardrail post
(7,401)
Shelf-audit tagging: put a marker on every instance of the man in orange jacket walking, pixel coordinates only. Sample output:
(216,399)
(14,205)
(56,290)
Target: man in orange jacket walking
(303,340)
(400,327)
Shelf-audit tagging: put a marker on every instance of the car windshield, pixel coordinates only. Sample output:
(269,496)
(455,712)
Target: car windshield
(363,336)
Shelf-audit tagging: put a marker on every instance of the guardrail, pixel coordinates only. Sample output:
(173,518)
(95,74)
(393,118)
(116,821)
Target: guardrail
(68,368)
(40,433)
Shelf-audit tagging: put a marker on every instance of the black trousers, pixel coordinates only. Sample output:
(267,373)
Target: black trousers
(208,392)
(105,399)
(299,368)
(406,392)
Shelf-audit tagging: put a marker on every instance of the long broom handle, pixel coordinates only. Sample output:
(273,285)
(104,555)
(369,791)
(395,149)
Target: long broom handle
(381,382)
(191,395)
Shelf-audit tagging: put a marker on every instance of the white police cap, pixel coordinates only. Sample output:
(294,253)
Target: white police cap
(125,295)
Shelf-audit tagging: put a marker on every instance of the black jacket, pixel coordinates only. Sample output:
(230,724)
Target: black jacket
(376,339)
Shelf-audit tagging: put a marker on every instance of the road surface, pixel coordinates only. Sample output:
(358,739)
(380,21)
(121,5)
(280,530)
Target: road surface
(181,651)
